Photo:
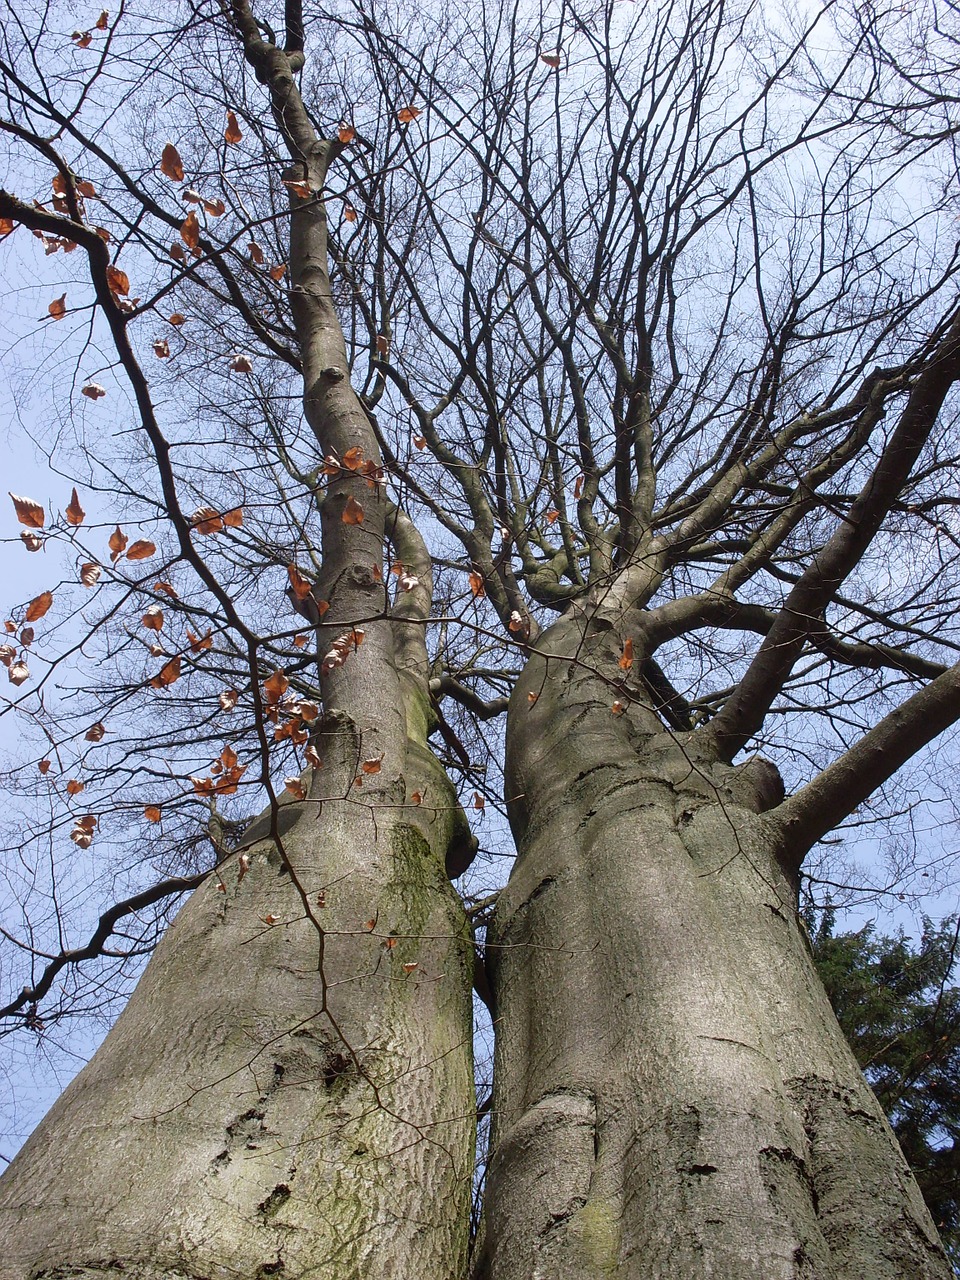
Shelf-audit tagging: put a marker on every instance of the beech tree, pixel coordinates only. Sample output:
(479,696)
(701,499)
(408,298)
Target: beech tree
(576,377)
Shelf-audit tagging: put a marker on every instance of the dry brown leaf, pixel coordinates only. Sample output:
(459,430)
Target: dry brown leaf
(152,813)
(153,618)
(296,788)
(18,672)
(96,732)
(232,133)
(407,114)
(476,583)
(346,133)
(168,674)
(90,573)
(117,281)
(93,391)
(161,348)
(190,231)
(75,513)
(233,518)
(298,583)
(275,687)
(28,512)
(118,544)
(74,787)
(352,512)
(142,549)
(228,699)
(39,606)
(206,520)
(58,307)
(32,541)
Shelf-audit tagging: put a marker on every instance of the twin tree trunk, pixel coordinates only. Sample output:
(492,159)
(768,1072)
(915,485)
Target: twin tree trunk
(673,1097)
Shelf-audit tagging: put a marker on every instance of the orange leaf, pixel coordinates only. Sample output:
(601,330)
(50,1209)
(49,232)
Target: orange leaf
(153,618)
(552,517)
(177,253)
(552,59)
(206,520)
(28,512)
(199,643)
(478,802)
(626,658)
(241,364)
(275,687)
(296,788)
(58,307)
(406,114)
(74,787)
(166,588)
(90,573)
(117,280)
(232,132)
(578,487)
(101,22)
(532,698)
(39,606)
(176,319)
(476,583)
(298,583)
(299,642)
(141,550)
(353,458)
(32,541)
(93,391)
(617,708)
(118,544)
(161,348)
(81,39)
(279,271)
(152,813)
(228,699)
(6,226)
(96,732)
(214,208)
(190,231)
(300,189)
(233,518)
(256,253)
(346,133)
(312,757)
(171,166)
(372,766)
(349,212)
(74,513)
(420,442)
(168,674)
(352,512)
(383,345)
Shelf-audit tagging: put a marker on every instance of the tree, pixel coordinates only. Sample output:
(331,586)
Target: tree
(625,341)
(898,1010)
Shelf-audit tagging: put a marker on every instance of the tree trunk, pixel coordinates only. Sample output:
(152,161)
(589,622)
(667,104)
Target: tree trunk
(673,1096)
(280,1098)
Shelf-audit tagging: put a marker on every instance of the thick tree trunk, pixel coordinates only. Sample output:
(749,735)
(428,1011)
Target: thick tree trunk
(229,1126)
(673,1096)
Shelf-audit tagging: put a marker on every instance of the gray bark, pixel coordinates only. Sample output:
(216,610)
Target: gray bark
(673,1096)
(257,1112)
